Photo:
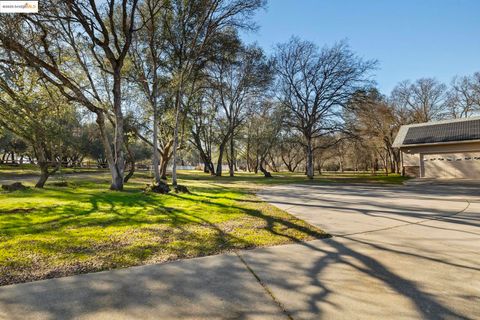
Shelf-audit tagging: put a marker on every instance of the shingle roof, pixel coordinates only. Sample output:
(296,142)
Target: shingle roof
(438,132)
(444,132)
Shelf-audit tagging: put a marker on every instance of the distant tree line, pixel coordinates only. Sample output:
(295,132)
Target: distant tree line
(120,81)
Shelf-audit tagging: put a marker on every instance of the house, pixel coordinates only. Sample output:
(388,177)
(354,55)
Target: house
(443,149)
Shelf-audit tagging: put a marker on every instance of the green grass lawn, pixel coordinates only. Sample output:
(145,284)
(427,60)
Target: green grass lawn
(7,171)
(24,170)
(245,178)
(85,227)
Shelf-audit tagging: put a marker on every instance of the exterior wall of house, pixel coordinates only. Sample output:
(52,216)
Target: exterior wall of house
(435,161)
(411,164)
(411,159)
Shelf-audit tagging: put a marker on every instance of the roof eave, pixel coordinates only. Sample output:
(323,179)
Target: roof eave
(403,146)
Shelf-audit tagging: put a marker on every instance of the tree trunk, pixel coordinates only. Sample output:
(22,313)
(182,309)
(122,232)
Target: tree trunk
(221,149)
(116,174)
(175,135)
(164,164)
(130,173)
(212,168)
(131,160)
(273,164)
(231,164)
(115,158)
(119,157)
(163,170)
(263,170)
(205,155)
(294,168)
(255,169)
(288,164)
(374,166)
(319,166)
(44,174)
(396,159)
(249,169)
(156,159)
(309,170)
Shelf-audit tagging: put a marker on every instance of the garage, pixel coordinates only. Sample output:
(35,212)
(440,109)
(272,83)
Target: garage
(448,149)
(451,165)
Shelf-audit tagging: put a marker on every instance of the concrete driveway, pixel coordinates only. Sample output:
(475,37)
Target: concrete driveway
(397,253)
(400,252)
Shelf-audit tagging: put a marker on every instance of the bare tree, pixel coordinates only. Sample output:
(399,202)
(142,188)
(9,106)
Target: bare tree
(290,148)
(425,98)
(265,123)
(328,151)
(148,59)
(203,114)
(240,84)
(375,121)
(193,31)
(463,98)
(315,85)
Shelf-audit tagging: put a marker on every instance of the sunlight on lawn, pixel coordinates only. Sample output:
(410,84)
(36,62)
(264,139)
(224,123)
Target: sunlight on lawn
(84,228)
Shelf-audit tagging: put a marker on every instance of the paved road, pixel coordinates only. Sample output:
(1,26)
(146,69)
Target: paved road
(397,253)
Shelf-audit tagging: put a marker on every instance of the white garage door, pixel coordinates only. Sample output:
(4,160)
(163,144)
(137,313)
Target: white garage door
(452,165)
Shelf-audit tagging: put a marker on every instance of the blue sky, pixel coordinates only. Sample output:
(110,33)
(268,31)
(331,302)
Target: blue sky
(410,39)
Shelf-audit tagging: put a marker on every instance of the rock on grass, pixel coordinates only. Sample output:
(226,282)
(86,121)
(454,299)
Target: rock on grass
(16,186)
(180,188)
(162,188)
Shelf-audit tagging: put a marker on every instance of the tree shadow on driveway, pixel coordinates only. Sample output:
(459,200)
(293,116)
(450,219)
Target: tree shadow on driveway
(216,287)
(330,279)
(389,271)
